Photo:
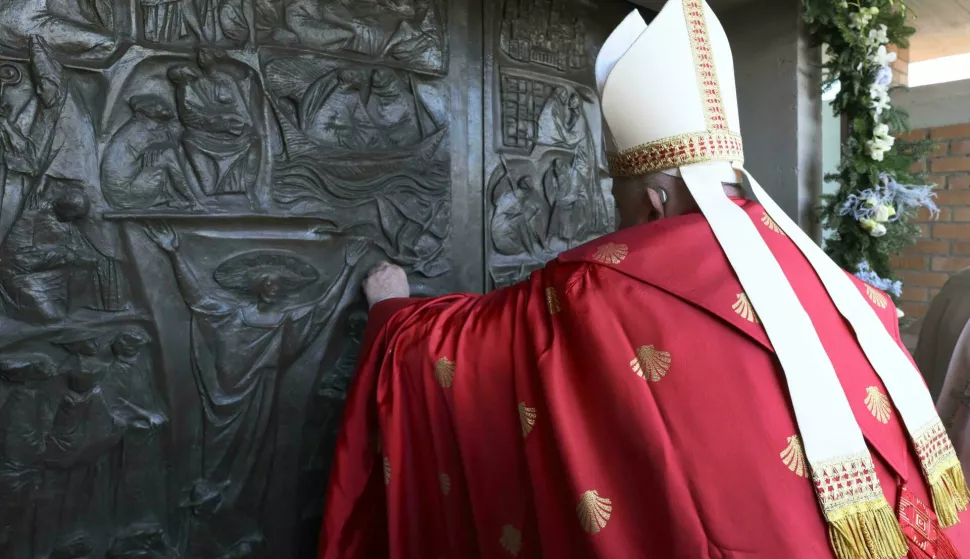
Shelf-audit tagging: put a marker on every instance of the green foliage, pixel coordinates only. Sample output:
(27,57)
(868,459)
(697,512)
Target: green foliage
(852,33)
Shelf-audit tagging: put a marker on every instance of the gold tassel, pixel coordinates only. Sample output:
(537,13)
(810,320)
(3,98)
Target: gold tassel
(869,531)
(950,495)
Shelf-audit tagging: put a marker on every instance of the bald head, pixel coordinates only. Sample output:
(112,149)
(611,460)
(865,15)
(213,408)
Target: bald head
(655,196)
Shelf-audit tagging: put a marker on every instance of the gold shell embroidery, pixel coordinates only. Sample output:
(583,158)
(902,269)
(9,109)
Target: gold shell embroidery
(593,511)
(770,224)
(794,456)
(611,253)
(387,471)
(444,372)
(511,540)
(744,309)
(651,362)
(445,482)
(876,297)
(878,404)
(527,418)
(552,300)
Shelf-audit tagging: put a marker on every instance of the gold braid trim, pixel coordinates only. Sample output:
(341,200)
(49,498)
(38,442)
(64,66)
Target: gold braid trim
(861,522)
(943,472)
(868,531)
(675,151)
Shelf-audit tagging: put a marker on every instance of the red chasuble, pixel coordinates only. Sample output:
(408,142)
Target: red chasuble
(624,402)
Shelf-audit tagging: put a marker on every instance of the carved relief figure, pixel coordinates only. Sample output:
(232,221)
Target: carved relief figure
(42,252)
(82,446)
(44,136)
(144,165)
(26,415)
(63,127)
(220,139)
(406,31)
(77,28)
(548,121)
(242,344)
(333,111)
(136,403)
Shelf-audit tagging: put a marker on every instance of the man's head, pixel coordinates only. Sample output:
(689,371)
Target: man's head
(128,343)
(655,196)
(71,205)
(268,289)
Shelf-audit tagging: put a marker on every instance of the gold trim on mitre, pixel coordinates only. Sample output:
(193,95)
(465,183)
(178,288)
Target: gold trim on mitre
(718,141)
(673,152)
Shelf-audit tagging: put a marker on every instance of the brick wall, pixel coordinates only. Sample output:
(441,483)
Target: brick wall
(944,244)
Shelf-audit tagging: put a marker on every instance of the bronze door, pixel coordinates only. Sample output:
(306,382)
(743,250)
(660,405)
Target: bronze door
(192,191)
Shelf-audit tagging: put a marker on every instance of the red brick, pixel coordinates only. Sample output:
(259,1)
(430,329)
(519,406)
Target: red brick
(923,215)
(918,167)
(961,214)
(952,197)
(914,310)
(931,247)
(933,293)
(942,149)
(958,181)
(951,231)
(960,147)
(914,135)
(915,294)
(923,279)
(949,264)
(950,164)
(909,262)
(954,131)
(938,180)
(962,249)
(924,231)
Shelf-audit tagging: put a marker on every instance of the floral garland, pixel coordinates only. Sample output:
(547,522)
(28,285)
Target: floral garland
(869,217)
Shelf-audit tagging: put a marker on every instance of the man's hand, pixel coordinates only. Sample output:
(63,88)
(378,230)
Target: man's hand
(385,281)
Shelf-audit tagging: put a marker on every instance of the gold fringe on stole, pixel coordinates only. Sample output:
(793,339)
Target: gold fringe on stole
(867,531)
(950,494)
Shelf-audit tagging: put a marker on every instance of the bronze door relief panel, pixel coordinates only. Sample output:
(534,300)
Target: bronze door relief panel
(191,193)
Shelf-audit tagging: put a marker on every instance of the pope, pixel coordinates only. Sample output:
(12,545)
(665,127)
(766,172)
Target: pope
(703,383)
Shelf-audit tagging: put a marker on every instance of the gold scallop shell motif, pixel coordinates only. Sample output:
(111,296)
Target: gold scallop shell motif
(444,372)
(878,404)
(552,300)
(877,298)
(387,471)
(651,363)
(593,511)
(511,540)
(744,309)
(794,456)
(527,418)
(611,253)
(444,481)
(770,224)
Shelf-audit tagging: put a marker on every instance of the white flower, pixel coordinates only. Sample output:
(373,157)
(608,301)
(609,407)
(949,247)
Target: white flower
(880,143)
(884,76)
(883,213)
(879,100)
(878,35)
(899,313)
(883,57)
(874,229)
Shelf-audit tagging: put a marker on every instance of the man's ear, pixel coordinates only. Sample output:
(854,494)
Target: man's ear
(655,198)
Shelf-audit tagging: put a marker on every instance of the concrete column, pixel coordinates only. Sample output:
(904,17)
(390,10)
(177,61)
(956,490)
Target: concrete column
(779,98)
(901,66)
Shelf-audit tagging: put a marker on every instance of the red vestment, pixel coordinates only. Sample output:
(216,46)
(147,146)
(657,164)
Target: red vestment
(624,402)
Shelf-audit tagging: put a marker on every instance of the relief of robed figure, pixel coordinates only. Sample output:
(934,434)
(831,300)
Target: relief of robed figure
(242,344)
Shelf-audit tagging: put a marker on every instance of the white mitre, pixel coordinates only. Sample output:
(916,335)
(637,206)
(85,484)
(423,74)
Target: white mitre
(669,104)
(668,120)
